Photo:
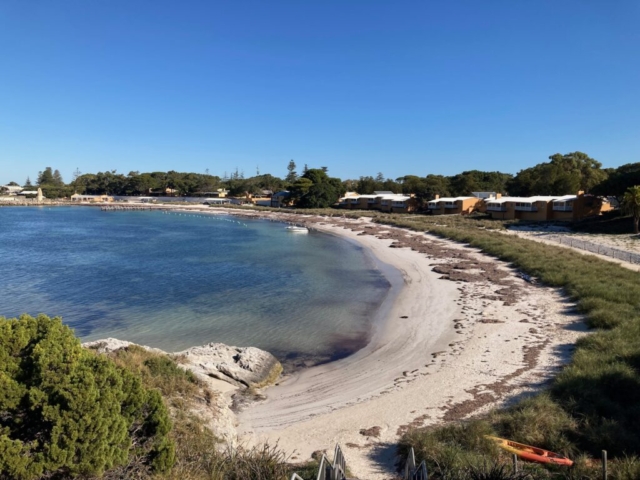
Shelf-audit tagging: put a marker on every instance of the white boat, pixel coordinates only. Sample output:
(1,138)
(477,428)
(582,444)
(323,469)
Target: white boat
(296,229)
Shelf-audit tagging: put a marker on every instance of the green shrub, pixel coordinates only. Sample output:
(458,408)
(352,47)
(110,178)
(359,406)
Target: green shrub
(67,411)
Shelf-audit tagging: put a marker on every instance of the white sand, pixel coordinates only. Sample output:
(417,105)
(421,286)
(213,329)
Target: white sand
(396,380)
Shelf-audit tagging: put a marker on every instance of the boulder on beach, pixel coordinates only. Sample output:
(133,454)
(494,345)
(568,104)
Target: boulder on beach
(247,366)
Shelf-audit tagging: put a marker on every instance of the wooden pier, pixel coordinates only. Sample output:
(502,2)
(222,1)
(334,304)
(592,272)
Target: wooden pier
(131,208)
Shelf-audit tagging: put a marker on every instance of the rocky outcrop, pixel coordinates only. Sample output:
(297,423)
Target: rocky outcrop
(107,345)
(245,367)
(240,366)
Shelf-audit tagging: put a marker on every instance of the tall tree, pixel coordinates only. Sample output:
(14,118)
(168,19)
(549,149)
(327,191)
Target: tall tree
(631,205)
(57,178)
(563,175)
(46,177)
(292,176)
(322,191)
(28,184)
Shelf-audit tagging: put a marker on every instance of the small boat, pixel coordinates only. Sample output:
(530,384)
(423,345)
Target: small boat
(533,454)
(296,229)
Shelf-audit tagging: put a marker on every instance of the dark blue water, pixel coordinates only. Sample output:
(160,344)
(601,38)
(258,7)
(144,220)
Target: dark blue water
(176,280)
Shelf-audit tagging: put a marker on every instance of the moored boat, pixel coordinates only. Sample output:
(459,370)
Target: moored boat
(533,454)
(297,229)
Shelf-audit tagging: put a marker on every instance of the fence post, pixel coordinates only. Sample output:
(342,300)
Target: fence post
(515,463)
(604,465)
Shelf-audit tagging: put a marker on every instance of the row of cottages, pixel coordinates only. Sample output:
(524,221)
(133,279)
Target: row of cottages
(541,208)
(380,200)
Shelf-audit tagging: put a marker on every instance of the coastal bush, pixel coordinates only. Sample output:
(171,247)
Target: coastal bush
(65,411)
(199,453)
(199,456)
(160,372)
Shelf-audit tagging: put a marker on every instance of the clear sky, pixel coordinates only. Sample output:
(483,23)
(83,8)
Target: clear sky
(397,87)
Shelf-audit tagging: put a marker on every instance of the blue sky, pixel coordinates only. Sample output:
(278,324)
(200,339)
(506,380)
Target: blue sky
(361,87)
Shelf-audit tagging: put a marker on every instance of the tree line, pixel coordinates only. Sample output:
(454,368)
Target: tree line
(313,187)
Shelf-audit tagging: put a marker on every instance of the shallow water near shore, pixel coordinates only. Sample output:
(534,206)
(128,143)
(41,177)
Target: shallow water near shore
(174,280)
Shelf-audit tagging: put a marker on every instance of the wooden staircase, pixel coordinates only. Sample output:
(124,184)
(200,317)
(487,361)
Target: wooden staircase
(337,470)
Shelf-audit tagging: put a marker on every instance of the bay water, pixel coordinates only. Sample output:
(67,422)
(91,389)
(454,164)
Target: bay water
(174,280)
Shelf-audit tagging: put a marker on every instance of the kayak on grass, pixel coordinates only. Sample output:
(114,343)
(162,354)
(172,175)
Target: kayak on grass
(533,454)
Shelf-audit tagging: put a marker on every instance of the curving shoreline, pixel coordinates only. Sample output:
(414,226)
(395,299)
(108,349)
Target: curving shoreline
(458,333)
(475,336)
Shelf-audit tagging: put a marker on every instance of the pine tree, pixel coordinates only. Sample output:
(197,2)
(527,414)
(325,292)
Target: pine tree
(65,411)
(292,176)
(57,178)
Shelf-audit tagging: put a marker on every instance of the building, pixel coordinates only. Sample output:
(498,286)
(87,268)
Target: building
(280,199)
(10,190)
(454,205)
(383,201)
(216,201)
(76,197)
(544,208)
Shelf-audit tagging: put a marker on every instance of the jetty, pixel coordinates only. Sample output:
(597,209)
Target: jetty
(131,208)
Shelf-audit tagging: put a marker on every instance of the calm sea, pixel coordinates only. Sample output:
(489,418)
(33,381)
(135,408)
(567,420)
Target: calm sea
(172,280)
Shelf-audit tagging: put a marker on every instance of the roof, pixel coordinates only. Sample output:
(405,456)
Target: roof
(539,198)
(449,199)
(566,198)
(383,192)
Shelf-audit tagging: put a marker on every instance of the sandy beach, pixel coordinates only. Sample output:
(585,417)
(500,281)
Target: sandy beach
(458,333)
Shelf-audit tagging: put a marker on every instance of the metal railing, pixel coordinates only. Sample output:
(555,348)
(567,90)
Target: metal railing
(330,471)
(595,248)
(411,472)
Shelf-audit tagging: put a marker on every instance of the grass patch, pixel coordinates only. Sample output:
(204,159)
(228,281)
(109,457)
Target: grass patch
(594,403)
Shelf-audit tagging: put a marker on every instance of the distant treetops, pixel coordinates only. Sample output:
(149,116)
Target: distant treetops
(561,175)
(65,411)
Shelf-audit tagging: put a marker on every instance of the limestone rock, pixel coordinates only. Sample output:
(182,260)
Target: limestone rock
(107,345)
(242,366)
(239,366)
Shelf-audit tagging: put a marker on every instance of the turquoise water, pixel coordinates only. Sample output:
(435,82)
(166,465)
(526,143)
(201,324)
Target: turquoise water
(172,280)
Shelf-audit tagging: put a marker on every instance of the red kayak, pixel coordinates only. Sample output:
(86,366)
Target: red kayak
(533,454)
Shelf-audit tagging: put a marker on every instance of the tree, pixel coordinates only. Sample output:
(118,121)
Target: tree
(45,177)
(631,205)
(321,190)
(619,181)
(65,411)
(57,178)
(292,176)
(380,177)
(13,184)
(367,185)
(435,185)
(28,184)
(564,174)
(464,183)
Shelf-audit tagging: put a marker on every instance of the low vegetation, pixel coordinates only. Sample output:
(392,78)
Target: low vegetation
(68,412)
(594,403)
